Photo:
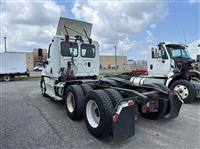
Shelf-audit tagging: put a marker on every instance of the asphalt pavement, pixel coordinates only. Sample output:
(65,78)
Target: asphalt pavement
(29,120)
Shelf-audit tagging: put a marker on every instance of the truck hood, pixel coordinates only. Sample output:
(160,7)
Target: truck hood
(183,60)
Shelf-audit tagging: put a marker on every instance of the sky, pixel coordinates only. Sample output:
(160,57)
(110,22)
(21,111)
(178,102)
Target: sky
(130,25)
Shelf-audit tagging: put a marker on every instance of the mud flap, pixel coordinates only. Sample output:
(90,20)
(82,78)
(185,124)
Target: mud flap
(123,124)
(175,106)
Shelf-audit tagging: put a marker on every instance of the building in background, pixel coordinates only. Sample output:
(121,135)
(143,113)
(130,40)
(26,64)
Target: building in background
(194,49)
(136,64)
(32,58)
(112,63)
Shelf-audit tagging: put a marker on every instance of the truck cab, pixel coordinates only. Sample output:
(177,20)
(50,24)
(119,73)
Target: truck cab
(83,54)
(71,55)
(166,59)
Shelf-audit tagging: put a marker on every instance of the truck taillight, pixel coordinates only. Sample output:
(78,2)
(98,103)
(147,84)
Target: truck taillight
(131,103)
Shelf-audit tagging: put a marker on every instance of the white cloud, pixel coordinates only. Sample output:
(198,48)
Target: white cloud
(126,44)
(28,24)
(116,22)
(193,48)
(149,37)
(193,1)
(152,26)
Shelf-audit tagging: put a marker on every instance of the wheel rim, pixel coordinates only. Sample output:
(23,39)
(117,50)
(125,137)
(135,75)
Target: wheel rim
(6,78)
(182,90)
(92,113)
(70,102)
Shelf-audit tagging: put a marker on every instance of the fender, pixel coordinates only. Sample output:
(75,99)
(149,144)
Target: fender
(172,78)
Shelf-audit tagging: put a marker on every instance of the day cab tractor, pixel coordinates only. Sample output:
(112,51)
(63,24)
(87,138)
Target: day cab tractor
(169,64)
(108,104)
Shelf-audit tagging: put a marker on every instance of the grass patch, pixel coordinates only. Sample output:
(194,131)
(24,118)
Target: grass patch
(27,78)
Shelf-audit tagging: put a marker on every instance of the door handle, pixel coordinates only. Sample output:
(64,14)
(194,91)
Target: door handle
(151,66)
(51,71)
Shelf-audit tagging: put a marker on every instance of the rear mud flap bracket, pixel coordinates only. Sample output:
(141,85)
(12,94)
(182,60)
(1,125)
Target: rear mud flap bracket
(124,123)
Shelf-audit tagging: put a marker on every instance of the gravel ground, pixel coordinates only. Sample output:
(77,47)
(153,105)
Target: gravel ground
(29,120)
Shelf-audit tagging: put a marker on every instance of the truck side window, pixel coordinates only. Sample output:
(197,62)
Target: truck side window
(163,53)
(69,49)
(155,53)
(87,50)
(49,50)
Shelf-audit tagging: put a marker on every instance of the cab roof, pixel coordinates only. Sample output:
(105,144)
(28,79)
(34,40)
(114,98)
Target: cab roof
(173,44)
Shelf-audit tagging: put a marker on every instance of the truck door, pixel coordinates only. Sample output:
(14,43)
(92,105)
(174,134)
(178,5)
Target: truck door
(48,72)
(88,54)
(159,62)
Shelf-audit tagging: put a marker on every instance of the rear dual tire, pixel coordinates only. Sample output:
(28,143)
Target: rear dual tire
(99,120)
(96,107)
(104,101)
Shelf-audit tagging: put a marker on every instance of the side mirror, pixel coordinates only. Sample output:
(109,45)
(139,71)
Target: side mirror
(40,54)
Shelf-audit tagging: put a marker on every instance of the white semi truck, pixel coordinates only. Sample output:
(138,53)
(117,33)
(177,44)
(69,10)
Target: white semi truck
(171,65)
(108,105)
(12,64)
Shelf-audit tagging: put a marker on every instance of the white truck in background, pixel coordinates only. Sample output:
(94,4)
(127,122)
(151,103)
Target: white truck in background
(171,65)
(12,64)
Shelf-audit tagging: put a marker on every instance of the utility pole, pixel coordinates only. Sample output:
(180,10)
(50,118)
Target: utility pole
(5,43)
(115,58)
(184,36)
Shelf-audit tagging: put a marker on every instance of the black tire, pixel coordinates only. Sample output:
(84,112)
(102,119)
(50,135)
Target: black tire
(86,88)
(105,107)
(189,86)
(162,110)
(114,95)
(74,94)
(7,78)
(43,87)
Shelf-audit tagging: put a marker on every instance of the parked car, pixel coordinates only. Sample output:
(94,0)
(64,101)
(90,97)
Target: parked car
(38,68)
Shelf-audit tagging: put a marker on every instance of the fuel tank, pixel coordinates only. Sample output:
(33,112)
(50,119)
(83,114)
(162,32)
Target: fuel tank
(146,80)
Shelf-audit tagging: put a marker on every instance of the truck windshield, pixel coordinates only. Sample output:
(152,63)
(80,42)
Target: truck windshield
(87,50)
(177,52)
(69,49)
